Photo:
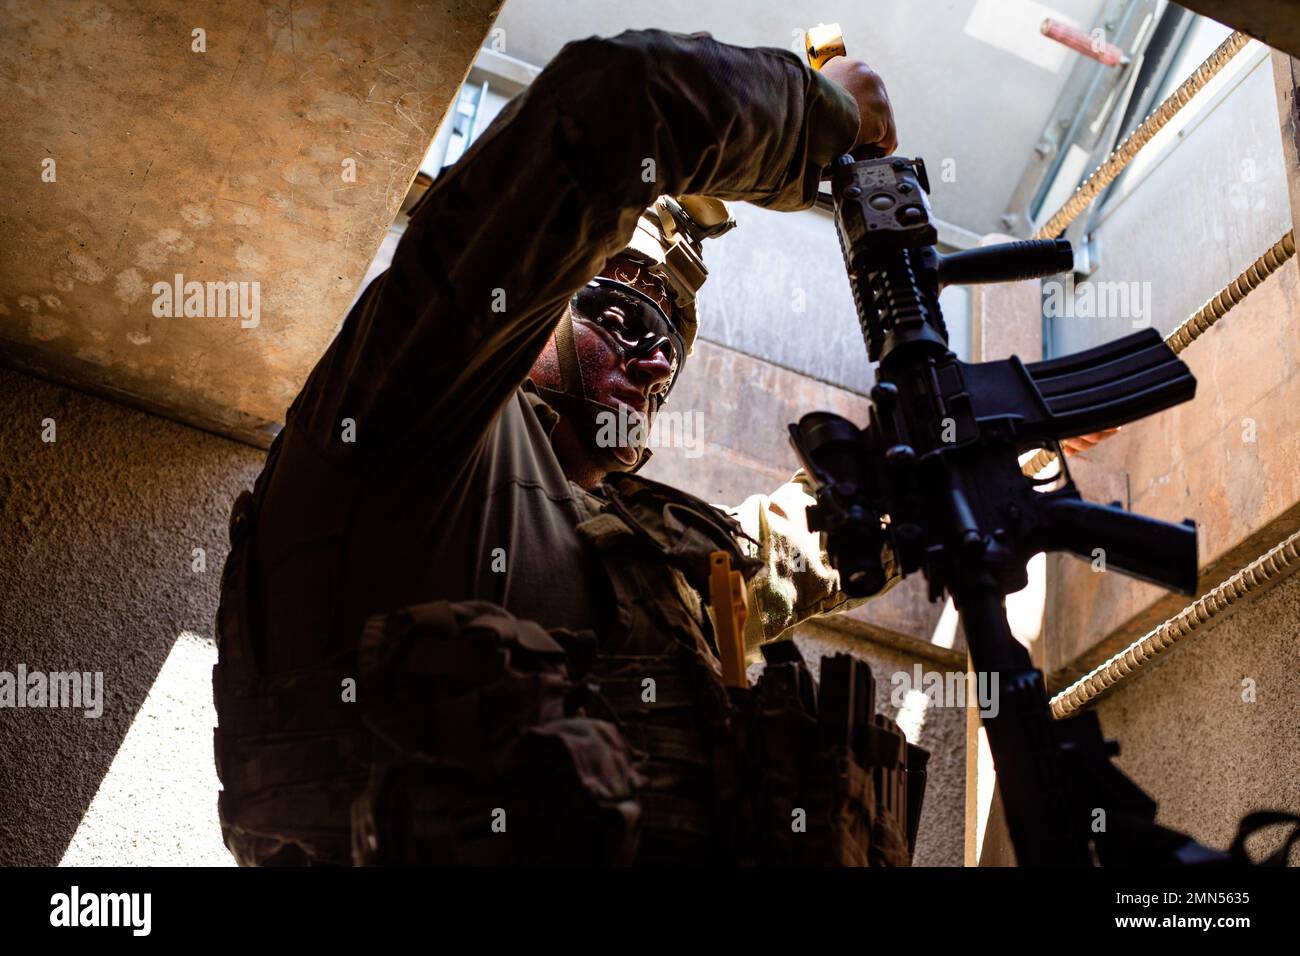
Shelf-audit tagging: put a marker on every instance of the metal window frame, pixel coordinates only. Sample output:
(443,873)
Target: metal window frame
(1092,96)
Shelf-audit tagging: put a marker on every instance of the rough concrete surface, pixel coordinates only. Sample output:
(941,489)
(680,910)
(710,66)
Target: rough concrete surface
(99,528)
(1273,21)
(1228,459)
(1188,737)
(272,148)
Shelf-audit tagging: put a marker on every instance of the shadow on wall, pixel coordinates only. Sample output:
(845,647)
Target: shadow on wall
(114,525)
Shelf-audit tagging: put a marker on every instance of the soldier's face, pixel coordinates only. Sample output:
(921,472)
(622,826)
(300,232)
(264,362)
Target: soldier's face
(625,383)
(617,380)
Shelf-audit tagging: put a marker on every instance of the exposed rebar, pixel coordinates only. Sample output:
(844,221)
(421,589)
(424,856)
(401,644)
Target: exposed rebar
(1231,294)
(1123,154)
(1282,559)
(1216,308)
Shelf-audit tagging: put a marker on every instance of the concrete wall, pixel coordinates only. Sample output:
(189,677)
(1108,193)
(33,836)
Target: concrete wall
(1192,734)
(1229,459)
(778,291)
(1213,731)
(97,574)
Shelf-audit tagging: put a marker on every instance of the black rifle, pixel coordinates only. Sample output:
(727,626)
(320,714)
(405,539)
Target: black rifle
(935,478)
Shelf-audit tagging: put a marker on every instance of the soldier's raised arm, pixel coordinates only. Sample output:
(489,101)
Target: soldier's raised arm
(549,191)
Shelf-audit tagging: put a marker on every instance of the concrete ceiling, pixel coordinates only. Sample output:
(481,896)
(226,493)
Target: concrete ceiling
(132,156)
(1275,22)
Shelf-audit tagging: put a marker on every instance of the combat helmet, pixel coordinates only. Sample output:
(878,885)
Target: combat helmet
(668,242)
(669,236)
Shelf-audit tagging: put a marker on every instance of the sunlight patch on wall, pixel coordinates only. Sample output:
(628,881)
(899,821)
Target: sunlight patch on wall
(157,805)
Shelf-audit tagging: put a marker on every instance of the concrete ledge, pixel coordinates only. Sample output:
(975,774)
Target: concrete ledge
(841,625)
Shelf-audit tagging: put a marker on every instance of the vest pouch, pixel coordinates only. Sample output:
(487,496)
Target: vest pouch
(484,754)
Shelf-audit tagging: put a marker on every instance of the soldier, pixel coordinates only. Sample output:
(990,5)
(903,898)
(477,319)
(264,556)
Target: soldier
(457,627)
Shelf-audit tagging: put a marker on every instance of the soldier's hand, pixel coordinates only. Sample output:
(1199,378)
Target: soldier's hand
(876,117)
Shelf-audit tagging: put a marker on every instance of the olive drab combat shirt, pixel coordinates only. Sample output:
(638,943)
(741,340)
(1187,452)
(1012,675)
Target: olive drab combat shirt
(413,466)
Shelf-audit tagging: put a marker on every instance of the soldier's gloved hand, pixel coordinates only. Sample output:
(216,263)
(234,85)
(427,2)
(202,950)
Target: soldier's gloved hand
(875,116)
